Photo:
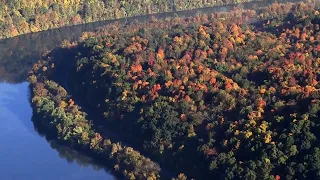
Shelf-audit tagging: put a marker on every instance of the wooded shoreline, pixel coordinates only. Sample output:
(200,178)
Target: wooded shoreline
(19,17)
(212,93)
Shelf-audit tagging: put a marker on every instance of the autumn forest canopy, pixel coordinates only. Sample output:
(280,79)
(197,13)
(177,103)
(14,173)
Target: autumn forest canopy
(227,95)
(25,16)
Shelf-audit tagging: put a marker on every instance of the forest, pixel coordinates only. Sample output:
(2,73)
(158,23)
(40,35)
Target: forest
(25,16)
(227,95)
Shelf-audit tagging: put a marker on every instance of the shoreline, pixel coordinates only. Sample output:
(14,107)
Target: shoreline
(43,100)
(102,150)
(216,8)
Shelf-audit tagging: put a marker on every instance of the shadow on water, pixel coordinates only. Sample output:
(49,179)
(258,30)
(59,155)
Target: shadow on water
(18,54)
(70,155)
(24,148)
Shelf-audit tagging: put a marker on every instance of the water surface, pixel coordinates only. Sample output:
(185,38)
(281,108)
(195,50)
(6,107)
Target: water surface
(25,154)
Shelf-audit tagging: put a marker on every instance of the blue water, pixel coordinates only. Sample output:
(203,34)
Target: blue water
(25,155)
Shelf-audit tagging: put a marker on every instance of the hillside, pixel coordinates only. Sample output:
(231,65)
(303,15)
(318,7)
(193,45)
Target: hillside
(230,95)
(25,16)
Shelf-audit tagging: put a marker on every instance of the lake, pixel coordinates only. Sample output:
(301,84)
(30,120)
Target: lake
(25,153)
